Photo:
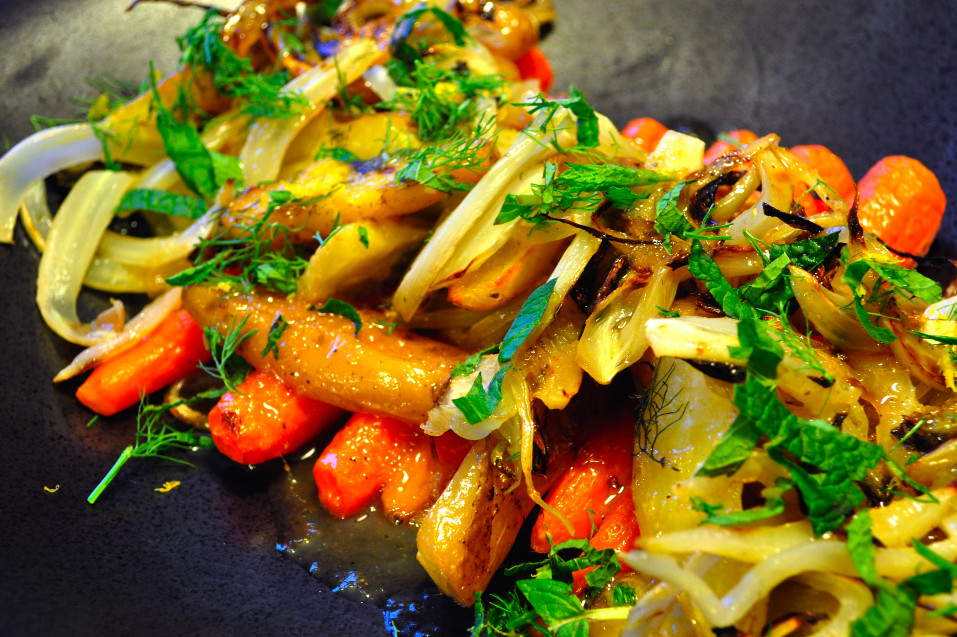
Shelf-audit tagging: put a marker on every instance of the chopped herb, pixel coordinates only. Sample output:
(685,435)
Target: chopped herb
(901,280)
(548,596)
(586,119)
(258,94)
(202,170)
(470,364)
(249,254)
(363,236)
(773,505)
(703,268)
(163,202)
(154,438)
(528,318)
(892,614)
(227,364)
(669,218)
(343,309)
(480,402)
(656,411)
(272,339)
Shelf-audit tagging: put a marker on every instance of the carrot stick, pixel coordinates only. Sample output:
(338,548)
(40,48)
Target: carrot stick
(265,419)
(601,470)
(901,201)
(371,454)
(169,353)
(618,531)
(534,65)
(647,132)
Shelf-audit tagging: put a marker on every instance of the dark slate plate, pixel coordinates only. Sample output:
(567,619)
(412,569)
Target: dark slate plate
(865,78)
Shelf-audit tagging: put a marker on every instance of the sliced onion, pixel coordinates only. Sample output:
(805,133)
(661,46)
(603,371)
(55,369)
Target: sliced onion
(122,264)
(824,309)
(36,158)
(478,209)
(268,140)
(71,244)
(139,326)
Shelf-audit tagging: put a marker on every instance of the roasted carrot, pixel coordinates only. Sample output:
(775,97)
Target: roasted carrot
(731,141)
(265,419)
(901,201)
(832,171)
(599,473)
(169,353)
(647,132)
(618,531)
(372,454)
(534,65)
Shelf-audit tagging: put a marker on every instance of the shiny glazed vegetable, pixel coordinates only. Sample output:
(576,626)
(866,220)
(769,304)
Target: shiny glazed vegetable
(715,382)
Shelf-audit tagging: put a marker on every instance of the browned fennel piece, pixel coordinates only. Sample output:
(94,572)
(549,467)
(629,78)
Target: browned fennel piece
(396,373)
(468,532)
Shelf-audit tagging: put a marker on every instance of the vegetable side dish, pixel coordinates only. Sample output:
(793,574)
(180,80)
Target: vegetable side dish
(720,379)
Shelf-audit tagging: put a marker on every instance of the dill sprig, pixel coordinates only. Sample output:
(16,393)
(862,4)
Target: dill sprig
(247,255)
(655,412)
(227,365)
(440,100)
(260,94)
(155,437)
(434,165)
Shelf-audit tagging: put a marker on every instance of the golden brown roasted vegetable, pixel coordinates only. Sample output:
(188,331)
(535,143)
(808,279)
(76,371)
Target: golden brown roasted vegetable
(467,533)
(396,373)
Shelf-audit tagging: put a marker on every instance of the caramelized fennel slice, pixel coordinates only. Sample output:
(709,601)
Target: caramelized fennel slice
(467,533)
(396,373)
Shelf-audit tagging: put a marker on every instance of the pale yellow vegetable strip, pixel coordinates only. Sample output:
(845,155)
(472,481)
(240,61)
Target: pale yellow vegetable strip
(38,157)
(71,244)
(141,325)
(344,259)
(268,139)
(530,149)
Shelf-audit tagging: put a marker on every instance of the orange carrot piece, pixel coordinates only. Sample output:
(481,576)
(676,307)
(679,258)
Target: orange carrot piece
(740,137)
(265,419)
(169,353)
(371,454)
(534,65)
(618,531)
(830,168)
(901,201)
(450,450)
(647,132)
(600,471)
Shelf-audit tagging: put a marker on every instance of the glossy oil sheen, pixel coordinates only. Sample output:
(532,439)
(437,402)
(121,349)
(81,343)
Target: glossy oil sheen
(367,558)
(864,78)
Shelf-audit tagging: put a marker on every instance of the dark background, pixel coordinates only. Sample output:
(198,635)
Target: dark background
(867,79)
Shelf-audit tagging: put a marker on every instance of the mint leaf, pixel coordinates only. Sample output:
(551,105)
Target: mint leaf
(669,218)
(529,316)
(341,308)
(601,177)
(733,449)
(774,505)
(471,363)
(163,202)
(894,606)
(553,601)
(703,268)
(853,276)
(479,403)
(808,253)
